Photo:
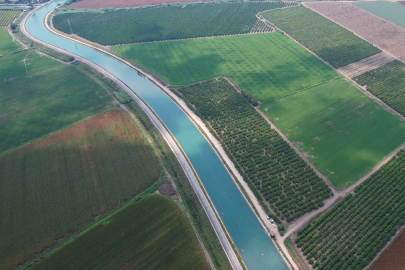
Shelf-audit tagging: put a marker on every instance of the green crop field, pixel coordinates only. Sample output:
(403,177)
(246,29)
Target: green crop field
(38,97)
(263,158)
(165,23)
(8,16)
(342,131)
(7,44)
(390,11)
(266,65)
(387,83)
(330,41)
(55,185)
(152,233)
(352,233)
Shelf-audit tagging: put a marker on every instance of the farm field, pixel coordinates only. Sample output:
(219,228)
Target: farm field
(38,97)
(7,44)
(266,65)
(55,185)
(390,11)
(8,16)
(274,172)
(343,132)
(383,34)
(351,234)
(328,40)
(165,23)
(392,258)
(366,64)
(152,233)
(387,83)
(94,4)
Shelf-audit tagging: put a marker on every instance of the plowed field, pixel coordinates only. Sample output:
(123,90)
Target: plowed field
(122,3)
(385,35)
(393,257)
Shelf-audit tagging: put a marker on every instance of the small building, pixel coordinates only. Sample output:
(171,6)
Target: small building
(271,220)
(273,234)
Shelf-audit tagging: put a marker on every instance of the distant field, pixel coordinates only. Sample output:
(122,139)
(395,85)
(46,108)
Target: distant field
(166,23)
(38,97)
(55,185)
(7,44)
(333,43)
(122,3)
(352,233)
(150,234)
(8,16)
(342,131)
(266,65)
(393,12)
(387,83)
(387,36)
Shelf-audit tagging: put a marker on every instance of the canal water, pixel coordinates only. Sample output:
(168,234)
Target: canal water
(252,242)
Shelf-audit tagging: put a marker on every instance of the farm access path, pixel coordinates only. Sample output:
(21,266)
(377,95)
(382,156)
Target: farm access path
(187,167)
(216,145)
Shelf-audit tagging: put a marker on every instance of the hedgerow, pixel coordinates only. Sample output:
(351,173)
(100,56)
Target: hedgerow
(351,234)
(387,83)
(167,23)
(328,40)
(274,172)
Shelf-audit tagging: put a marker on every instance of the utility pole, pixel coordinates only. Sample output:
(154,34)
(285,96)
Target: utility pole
(71,31)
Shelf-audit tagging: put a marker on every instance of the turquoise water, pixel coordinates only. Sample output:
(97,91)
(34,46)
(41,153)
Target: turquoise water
(256,249)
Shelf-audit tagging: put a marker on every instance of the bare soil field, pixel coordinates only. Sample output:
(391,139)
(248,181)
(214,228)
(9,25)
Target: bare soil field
(383,34)
(122,3)
(393,256)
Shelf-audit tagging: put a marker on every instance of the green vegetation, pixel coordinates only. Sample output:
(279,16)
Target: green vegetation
(390,11)
(8,16)
(261,156)
(265,65)
(122,97)
(55,185)
(38,97)
(330,41)
(7,44)
(387,83)
(152,233)
(351,234)
(343,132)
(165,23)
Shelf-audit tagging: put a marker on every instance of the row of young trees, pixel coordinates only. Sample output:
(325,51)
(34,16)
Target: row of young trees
(387,83)
(351,234)
(330,41)
(272,169)
(166,23)
(8,16)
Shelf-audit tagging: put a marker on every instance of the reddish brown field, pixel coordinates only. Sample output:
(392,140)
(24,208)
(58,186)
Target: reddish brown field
(385,35)
(402,2)
(393,257)
(122,3)
(58,184)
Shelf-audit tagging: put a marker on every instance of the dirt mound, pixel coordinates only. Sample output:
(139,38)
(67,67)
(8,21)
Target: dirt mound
(94,4)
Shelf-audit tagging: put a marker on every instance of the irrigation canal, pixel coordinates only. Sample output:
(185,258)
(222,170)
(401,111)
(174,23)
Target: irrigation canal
(252,242)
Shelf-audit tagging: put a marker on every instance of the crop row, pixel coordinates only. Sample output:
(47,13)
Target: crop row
(165,23)
(8,16)
(275,173)
(351,234)
(387,83)
(260,27)
(328,40)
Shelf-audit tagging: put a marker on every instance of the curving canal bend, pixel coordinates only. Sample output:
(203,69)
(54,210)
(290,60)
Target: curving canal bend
(256,249)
